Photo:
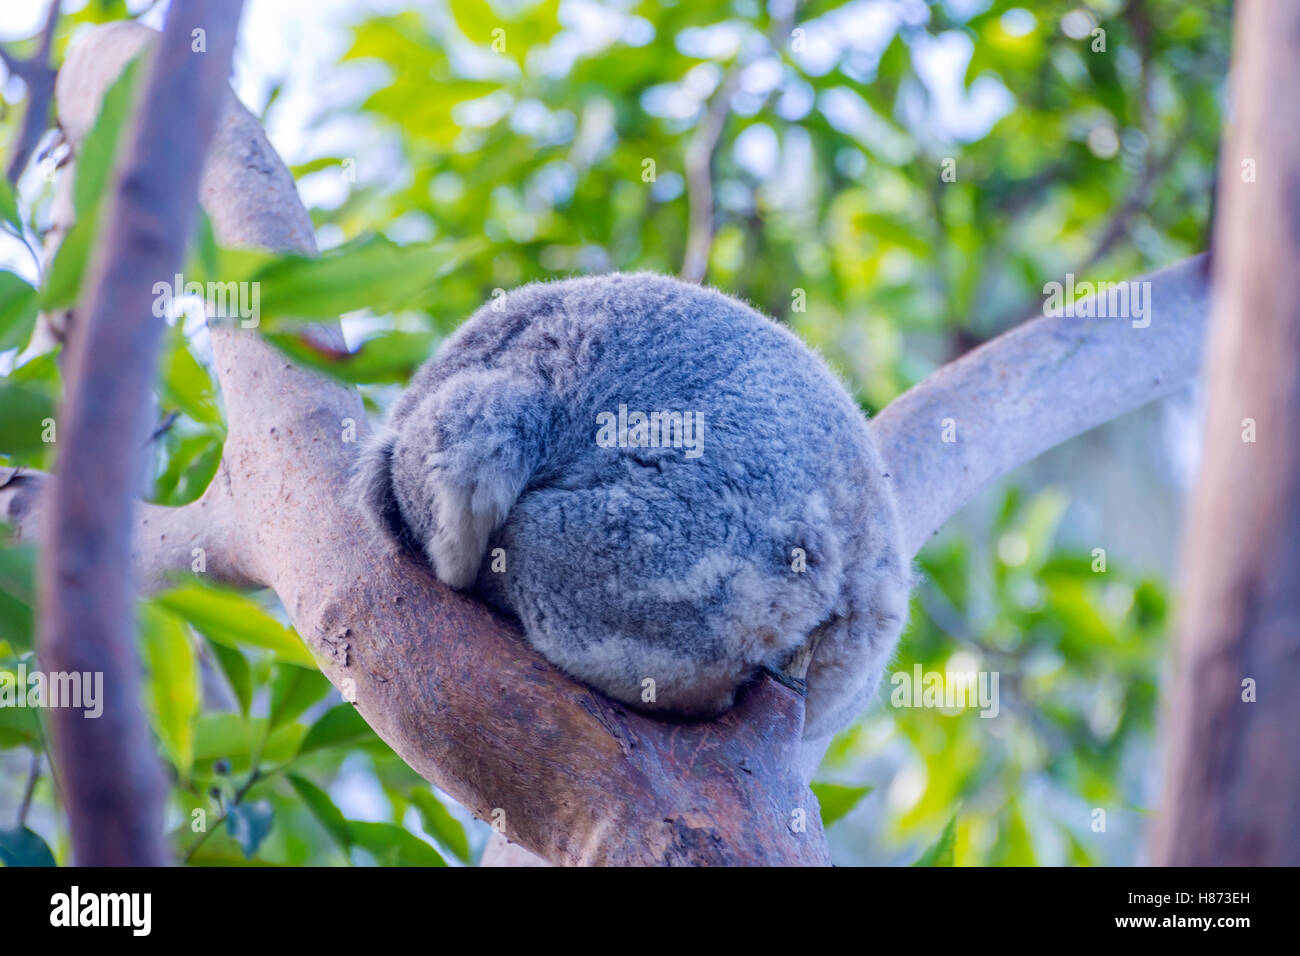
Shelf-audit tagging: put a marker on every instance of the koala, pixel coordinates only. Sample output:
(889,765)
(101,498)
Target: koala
(669,491)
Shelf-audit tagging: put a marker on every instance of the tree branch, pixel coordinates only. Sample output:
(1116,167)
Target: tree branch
(700,150)
(699,178)
(38,76)
(1032,388)
(456,691)
(163,540)
(113,784)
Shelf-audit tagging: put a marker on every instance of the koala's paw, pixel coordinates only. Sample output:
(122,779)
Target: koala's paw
(467,516)
(444,477)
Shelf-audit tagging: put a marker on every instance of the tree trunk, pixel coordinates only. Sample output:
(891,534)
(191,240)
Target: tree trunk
(1232,792)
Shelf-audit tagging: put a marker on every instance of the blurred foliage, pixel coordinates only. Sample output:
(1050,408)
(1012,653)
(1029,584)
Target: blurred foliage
(1076,644)
(895,180)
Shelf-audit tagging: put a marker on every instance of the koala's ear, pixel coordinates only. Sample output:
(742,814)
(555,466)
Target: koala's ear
(374,491)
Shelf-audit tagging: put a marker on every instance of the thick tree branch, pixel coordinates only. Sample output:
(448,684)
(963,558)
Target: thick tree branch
(112,782)
(1031,389)
(163,540)
(1233,775)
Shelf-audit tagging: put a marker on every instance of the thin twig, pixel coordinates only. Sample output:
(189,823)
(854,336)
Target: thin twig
(699,178)
(32,776)
(163,428)
(699,156)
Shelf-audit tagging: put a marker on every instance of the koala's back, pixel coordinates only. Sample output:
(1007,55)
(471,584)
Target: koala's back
(663,566)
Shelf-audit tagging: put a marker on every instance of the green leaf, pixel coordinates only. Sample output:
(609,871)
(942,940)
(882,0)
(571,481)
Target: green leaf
(95,161)
(231,737)
(387,357)
(9,206)
(95,157)
(63,278)
(371,273)
(41,372)
(392,845)
(338,725)
(192,461)
(249,824)
(441,825)
(19,726)
(323,809)
(100,11)
(1039,520)
(17,595)
(941,854)
(18,309)
(530,25)
(316,165)
(21,847)
(205,249)
(173,691)
(293,690)
(234,665)
(23,412)
(186,384)
(230,618)
(837,800)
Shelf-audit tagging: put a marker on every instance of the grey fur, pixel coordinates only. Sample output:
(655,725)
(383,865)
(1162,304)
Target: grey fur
(632,563)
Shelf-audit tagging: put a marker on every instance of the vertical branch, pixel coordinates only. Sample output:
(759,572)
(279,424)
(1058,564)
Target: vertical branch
(700,150)
(113,784)
(38,76)
(699,178)
(1233,775)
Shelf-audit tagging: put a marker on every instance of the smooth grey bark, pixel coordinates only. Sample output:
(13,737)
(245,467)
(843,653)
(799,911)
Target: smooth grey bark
(1032,388)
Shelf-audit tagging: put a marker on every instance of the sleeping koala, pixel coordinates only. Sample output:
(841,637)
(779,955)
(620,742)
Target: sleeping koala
(669,491)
